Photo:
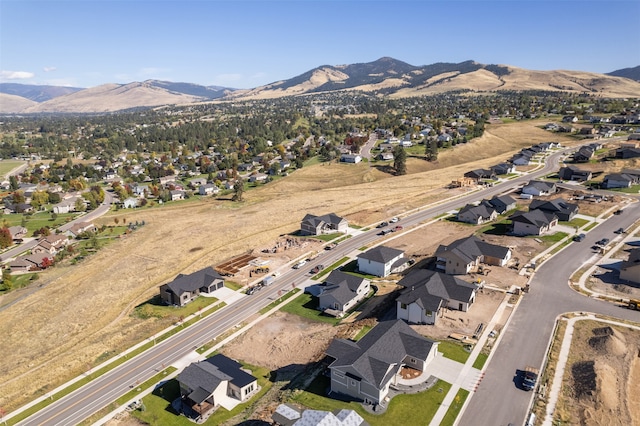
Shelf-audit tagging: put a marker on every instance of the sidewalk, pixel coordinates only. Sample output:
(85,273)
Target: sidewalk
(468,377)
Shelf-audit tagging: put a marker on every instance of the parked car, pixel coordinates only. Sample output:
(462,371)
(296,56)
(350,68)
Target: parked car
(530,378)
(618,212)
(620,231)
(398,228)
(385,232)
(602,242)
(316,269)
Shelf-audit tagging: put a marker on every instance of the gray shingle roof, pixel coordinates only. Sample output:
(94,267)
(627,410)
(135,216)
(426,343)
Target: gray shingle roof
(470,248)
(555,206)
(381,254)
(189,283)
(341,286)
(379,354)
(425,285)
(534,217)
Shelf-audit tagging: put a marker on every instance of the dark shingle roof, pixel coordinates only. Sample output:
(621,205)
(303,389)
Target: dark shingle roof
(434,285)
(534,217)
(379,354)
(634,259)
(189,283)
(470,248)
(556,206)
(341,286)
(381,254)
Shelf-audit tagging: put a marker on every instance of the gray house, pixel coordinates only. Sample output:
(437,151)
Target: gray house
(502,203)
(204,384)
(465,255)
(342,291)
(427,292)
(562,209)
(326,224)
(289,415)
(382,261)
(539,188)
(534,222)
(185,288)
(477,214)
(619,180)
(366,369)
(572,172)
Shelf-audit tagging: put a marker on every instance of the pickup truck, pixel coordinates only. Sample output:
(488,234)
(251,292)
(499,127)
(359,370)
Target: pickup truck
(530,378)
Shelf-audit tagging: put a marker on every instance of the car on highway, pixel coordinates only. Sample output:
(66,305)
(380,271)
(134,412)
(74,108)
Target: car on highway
(382,224)
(394,220)
(579,238)
(300,264)
(316,269)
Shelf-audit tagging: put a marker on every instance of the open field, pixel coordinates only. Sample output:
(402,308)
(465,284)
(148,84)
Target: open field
(61,330)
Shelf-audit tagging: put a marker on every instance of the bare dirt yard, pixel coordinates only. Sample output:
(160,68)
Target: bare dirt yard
(601,380)
(83,314)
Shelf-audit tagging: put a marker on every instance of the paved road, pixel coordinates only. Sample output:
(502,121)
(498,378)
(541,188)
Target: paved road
(497,400)
(100,392)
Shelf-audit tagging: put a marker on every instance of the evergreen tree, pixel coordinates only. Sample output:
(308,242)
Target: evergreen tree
(400,160)
(238,190)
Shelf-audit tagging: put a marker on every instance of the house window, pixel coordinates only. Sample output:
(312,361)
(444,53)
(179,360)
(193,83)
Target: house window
(337,374)
(428,313)
(403,306)
(353,382)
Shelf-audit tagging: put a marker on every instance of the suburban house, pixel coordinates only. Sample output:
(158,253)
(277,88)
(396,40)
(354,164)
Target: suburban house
(341,292)
(288,415)
(584,154)
(502,203)
(259,177)
(630,269)
(385,156)
(80,228)
(350,158)
(326,224)
(31,262)
(539,188)
(520,159)
(18,232)
(50,244)
(208,189)
(625,153)
(366,369)
(382,261)
(477,214)
(426,293)
(205,385)
(533,222)
(572,172)
(619,180)
(479,174)
(503,169)
(130,203)
(177,194)
(466,254)
(562,209)
(185,288)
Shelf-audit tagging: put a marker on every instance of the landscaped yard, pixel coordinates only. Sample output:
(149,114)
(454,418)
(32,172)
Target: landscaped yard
(36,220)
(454,351)
(401,411)
(306,306)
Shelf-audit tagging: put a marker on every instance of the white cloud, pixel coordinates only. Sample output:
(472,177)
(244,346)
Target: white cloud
(49,69)
(16,75)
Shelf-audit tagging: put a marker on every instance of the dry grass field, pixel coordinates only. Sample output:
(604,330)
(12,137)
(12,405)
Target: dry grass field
(82,314)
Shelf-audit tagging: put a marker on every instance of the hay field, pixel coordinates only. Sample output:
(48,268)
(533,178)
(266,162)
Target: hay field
(62,329)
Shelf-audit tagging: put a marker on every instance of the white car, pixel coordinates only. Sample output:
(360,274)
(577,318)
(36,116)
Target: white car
(300,264)
(394,220)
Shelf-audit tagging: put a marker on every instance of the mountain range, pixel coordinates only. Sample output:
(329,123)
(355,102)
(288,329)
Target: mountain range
(384,77)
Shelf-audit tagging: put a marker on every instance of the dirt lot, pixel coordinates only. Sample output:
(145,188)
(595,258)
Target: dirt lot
(82,314)
(606,279)
(601,381)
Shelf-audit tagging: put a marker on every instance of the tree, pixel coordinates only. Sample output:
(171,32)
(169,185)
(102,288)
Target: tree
(5,237)
(431,150)
(400,160)
(13,183)
(238,190)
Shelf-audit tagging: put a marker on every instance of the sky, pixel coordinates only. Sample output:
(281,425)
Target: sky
(245,44)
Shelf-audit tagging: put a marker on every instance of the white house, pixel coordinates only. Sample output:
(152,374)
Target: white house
(381,261)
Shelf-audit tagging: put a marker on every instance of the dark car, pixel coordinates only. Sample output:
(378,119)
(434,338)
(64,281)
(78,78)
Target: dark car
(383,224)
(620,231)
(618,212)
(579,238)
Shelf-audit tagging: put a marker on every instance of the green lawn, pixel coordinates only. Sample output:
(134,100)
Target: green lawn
(278,301)
(577,222)
(7,165)
(480,361)
(634,189)
(158,410)
(155,308)
(455,407)
(402,409)
(306,306)
(553,238)
(36,220)
(362,332)
(454,351)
